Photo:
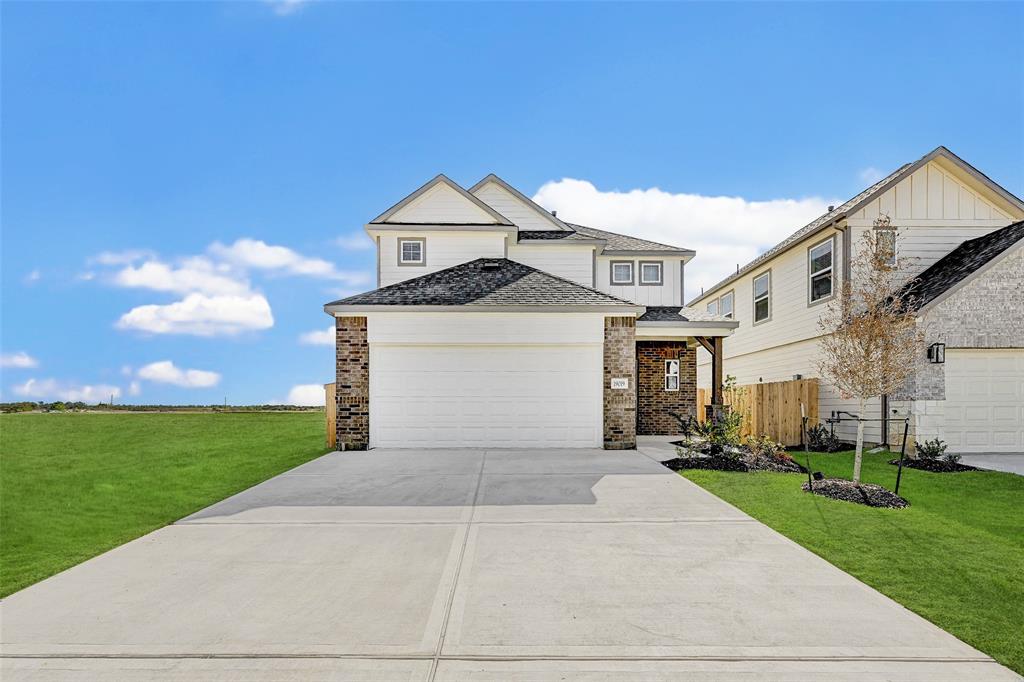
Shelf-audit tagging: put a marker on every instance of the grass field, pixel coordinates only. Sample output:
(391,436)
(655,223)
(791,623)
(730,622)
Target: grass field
(75,485)
(955,556)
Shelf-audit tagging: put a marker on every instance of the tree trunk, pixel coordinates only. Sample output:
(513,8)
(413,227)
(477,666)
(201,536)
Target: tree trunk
(860,443)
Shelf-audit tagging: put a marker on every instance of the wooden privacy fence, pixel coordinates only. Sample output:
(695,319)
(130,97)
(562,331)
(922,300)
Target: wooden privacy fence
(771,409)
(330,408)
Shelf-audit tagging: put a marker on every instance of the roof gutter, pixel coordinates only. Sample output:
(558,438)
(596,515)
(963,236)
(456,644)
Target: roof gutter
(348,310)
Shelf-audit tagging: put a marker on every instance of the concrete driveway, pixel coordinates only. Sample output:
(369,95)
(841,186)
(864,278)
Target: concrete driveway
(996,461)
(471,565)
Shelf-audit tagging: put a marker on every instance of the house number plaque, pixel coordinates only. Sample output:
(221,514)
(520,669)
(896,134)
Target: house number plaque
(620,384)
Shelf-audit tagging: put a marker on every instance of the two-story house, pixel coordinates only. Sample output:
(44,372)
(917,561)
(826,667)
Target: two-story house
(958,233)
(496,323)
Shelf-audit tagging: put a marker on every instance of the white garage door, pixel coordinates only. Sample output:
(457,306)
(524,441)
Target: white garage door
(984,410)
(486,396)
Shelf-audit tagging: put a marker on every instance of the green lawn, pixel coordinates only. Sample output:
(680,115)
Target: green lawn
(75,485)
(955,556)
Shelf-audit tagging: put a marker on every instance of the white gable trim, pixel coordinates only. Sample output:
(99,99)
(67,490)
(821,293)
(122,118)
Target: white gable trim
(496,218)
(556,224)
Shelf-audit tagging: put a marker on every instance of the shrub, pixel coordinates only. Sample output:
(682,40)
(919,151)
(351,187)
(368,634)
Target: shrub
(820,439)
(951,458)
(932,449)
(765,446)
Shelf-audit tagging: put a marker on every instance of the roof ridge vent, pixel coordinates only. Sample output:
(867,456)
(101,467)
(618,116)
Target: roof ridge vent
(491,265)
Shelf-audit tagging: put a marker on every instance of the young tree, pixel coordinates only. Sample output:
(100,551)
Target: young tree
(871,339)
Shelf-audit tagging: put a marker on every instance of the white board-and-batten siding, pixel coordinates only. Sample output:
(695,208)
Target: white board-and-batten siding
(442,205)
(443,250)
(510,206)
(669,293)
(574,263)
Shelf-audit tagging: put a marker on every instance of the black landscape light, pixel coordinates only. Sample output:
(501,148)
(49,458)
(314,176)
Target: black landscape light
(937,353)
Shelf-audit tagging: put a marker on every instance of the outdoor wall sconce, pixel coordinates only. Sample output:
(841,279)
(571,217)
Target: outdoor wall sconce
(937,353)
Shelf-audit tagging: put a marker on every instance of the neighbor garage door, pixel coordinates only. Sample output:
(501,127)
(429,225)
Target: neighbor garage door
(434,396)
(984,410)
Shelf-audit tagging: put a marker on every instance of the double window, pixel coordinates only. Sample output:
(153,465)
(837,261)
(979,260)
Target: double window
(652,273)
(672,375)
(820,271)
(763,297)
(412,251)
(724,305)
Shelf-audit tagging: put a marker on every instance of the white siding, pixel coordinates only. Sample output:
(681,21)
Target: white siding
(936,208)
(442,204)
(476,328)
(575,263)
(669,293)
(443,249)
(510,206)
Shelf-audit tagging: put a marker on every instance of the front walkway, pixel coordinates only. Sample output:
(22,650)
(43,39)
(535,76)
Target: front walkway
(496,565)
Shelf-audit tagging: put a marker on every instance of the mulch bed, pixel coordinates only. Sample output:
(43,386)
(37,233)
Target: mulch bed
(866,493)
(938,466)
(742,463)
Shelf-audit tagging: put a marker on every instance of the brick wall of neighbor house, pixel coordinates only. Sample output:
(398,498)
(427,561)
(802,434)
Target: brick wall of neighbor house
(985,313)
(352,386)
(653,402)
(619,362)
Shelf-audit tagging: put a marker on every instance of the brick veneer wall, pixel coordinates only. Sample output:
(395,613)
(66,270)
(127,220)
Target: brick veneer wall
(654,402)
(619,362)
(352,383)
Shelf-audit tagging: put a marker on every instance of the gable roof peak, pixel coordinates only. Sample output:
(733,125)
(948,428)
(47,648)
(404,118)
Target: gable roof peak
(442,179)
(530,203)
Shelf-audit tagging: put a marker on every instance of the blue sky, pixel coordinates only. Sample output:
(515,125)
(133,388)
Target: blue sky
(175,130)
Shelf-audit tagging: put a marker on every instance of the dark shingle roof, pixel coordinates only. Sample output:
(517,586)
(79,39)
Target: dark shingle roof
(621,242)
(485,282)
(561,235)
(960,263)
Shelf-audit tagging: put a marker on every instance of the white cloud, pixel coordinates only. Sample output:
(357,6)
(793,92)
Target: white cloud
(355,241)
(33,277)
(258,255)
(20,360)
(51,388)
(165,372)
(304,394)
(121,257)
(134,388)
(196,274)
(283,8)
(870,175)
(724,231)
(319,337)
(201,315)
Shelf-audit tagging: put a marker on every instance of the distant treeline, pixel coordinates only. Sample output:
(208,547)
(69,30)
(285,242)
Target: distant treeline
(59,406)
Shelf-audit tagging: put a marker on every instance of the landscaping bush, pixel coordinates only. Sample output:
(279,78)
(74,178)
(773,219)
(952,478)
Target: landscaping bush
(820,439)
(930,449)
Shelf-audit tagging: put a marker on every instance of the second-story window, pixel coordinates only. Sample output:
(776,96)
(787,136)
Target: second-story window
(886,240)
(650,273)
(412,252)
(820,270)
(622,273)
(762,297)
(725,305)
(713,307)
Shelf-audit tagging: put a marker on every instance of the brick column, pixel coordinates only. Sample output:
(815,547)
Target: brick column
(619,363)
(352,384)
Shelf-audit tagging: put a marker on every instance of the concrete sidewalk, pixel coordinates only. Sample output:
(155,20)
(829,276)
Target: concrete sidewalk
(471,565)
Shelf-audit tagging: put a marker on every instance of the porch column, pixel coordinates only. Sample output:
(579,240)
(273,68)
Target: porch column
(619,383)
(352,384)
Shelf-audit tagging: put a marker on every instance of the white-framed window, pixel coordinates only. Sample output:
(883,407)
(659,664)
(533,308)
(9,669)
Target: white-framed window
(725,305)
(622,272)
(412,251)
(713,307)
(886,240)
(672,375)
(820,271)
(763,297)
(651,273)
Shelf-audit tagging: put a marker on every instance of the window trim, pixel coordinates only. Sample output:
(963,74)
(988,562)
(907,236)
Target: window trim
(611,273)
(732,313)
(831,269)
(767,296)
(669,375)
(895,243)
(661,273)
(423,252)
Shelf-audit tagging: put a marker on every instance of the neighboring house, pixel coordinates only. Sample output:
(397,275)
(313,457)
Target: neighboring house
(495,323)
(954,233)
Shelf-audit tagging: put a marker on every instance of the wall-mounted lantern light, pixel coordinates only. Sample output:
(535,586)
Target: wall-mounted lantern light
(937,353)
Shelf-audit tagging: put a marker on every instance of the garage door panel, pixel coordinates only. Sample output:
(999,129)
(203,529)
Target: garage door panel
(485,396)
(984,410)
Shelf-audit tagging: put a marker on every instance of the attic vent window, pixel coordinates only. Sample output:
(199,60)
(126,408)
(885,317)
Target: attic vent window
(491,265)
